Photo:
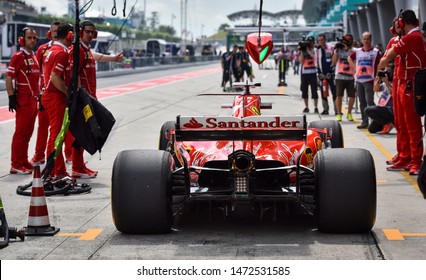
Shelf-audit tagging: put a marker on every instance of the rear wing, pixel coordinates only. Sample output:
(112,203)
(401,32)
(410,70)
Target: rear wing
(206,128)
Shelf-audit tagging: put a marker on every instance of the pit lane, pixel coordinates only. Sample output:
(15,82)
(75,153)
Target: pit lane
(139,114)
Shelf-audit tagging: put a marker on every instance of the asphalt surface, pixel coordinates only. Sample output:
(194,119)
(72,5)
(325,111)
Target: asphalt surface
(139,114)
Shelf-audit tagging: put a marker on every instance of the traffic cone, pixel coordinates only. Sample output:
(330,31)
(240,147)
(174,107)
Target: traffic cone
(38,216)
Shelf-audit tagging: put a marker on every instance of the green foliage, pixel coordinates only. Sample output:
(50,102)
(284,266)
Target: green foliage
(167,29)
(223,26)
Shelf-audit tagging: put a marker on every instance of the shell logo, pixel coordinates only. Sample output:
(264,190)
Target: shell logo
(309,155)
(255,110)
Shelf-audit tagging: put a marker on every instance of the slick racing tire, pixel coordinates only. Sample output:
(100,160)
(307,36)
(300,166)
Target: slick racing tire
(141,192)
(336,131)
(163,142)
(345,190)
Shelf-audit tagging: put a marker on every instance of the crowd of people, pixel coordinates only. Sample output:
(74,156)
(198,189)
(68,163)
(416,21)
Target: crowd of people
(234,64)
(37,85)
(363,70)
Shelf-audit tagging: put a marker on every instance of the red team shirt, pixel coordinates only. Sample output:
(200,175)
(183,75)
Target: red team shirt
(396,61)
(41,56)
(25,70)
(412,49)
(59,65)
(87,70)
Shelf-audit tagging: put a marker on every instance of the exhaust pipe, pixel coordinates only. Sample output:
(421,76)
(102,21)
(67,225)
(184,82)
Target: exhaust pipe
(242,162)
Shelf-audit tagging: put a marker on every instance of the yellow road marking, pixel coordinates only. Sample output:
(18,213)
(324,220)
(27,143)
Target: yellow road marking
(90,234)
(281,89)
(396,235)
(381,181)
(412,180)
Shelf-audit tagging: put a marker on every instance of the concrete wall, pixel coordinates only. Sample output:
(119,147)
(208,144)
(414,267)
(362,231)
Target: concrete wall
(377,17)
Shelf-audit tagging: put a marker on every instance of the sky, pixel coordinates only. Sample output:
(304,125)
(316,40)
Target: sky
(204,16)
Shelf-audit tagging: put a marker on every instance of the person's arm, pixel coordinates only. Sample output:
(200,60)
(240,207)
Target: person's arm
(335,57)
(228,58)
(13,103)
(9,86)
(301,58)
(384,61)
(387,84)
(376,62)
(377,84)
(107,57)
(312,54)
(59,82)
(351,60)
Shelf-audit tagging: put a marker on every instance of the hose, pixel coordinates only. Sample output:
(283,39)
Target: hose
(63,186)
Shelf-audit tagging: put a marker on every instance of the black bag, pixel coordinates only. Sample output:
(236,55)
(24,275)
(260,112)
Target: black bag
(90,122)
(420,92)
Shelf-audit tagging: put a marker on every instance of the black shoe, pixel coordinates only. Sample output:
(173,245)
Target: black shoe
(363,125)
(316,111)
(325,112)
(306,110)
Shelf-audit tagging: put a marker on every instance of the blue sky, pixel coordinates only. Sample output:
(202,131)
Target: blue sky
(203,16)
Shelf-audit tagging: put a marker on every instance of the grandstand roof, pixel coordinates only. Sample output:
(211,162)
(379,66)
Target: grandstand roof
(254,14)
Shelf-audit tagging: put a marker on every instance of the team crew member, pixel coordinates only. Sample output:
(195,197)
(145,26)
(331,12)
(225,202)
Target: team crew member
(245,64)
(365,61)
(88,59)
(226,67)
(325,72)
(412,49)
(235,63)
(397,75)
(43,119)
(344,76)
(309,74)
(56,78)
(24,72)
(87,76)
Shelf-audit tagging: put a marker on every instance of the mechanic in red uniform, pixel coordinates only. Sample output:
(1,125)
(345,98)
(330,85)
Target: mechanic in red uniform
(87,76)
(43,119)
(398,118)
(412,50)
(88,58)
(56,79)
(24,73)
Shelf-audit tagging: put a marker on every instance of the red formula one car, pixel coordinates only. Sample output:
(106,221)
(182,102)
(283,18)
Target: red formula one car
(247,158)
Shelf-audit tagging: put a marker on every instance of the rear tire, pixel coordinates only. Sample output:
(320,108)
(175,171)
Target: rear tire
(163,142)
(141,192)
(345,190)
(336,130)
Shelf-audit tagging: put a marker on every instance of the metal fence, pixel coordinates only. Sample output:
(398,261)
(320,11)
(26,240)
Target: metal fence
(138,62)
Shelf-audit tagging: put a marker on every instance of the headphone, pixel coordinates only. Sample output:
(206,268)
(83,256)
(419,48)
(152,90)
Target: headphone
(70,36)
(88,23)
(401,21)
(49,35)
(21,38)
(392,31)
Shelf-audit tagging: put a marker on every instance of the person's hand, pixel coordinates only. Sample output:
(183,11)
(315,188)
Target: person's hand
(119,57)
(377,83)
(13,103)
(40,105)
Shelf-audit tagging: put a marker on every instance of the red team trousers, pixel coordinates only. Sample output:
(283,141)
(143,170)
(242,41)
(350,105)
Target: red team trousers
(407,123)
(26,114)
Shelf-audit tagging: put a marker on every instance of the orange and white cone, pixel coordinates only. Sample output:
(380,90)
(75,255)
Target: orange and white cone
(38,216)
